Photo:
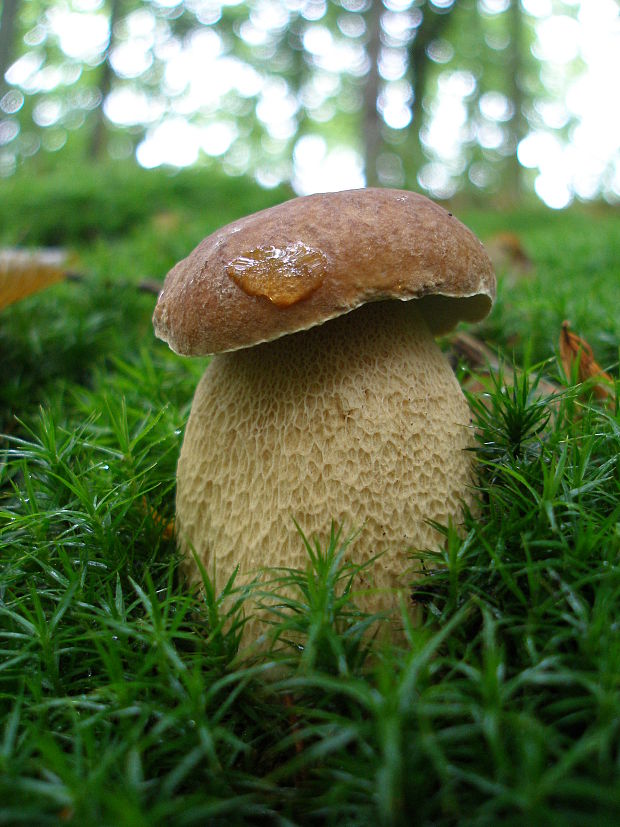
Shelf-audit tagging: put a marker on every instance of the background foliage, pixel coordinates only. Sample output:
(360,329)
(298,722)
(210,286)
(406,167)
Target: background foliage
(435,94)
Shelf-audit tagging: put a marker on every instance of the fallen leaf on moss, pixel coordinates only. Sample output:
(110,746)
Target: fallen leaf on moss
(506,251)
(576,354)
(167,221)
(481,362)
(151,286)
(24,272)
(167,525)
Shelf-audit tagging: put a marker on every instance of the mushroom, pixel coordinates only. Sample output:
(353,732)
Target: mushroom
(328,398)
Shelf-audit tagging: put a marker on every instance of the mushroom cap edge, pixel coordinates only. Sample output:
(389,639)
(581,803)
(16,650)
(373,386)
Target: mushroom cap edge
(310,259)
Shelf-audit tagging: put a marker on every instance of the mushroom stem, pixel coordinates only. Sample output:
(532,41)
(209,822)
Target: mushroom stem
(360,421)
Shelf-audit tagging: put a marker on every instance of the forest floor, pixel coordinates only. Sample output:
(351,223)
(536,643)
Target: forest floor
(123,697)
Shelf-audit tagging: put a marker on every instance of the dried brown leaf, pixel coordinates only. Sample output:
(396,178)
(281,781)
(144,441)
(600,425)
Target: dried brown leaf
(481,362)
(24,272)
(576,354)
(167,525)
(150,286)
(506,251)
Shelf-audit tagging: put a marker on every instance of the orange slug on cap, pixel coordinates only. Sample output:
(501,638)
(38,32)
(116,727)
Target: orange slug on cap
(284,275)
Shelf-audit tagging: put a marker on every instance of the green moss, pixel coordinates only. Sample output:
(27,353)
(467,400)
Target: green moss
(123,699)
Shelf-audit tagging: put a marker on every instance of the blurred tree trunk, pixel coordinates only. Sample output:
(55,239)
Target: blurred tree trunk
(98,137)
(517,123)
(431,28)
(8,36)
(372,120)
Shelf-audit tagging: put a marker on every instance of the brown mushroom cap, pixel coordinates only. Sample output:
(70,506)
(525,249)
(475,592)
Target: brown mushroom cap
(310,259)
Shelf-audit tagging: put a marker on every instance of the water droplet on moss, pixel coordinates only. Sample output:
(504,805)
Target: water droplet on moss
(284,275)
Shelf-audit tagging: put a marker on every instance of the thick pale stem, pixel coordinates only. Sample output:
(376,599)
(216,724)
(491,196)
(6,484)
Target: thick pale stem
(360,421)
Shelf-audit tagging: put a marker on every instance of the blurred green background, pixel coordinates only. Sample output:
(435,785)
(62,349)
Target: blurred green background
(492,99)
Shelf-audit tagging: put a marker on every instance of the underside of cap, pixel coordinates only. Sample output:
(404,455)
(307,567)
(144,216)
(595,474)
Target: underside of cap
(296,265)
